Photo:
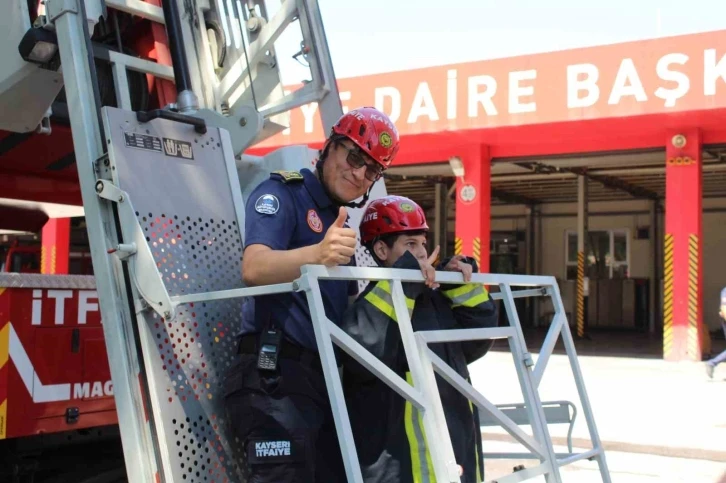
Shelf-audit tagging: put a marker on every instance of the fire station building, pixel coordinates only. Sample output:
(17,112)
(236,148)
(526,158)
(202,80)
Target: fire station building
(605,167)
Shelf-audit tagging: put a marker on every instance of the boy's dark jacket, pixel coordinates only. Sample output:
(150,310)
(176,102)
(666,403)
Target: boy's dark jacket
(388,431)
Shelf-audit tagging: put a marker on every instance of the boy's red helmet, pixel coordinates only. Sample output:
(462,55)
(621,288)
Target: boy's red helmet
(391,214)
(372,131)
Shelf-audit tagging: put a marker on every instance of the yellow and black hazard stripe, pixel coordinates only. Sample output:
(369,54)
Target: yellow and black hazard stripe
(477,251)
(380,297)
(48,256)
(694,343)
(668,296)
(581,294)
(421,464)
(469,295)
(458,246)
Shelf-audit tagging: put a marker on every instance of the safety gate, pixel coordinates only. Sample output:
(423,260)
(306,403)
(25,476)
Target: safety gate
(423,363)
(180,217)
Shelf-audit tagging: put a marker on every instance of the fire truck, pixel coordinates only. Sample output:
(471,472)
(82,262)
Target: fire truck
(142,112)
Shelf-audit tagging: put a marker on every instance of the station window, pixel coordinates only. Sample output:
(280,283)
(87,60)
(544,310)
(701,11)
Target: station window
(608,254)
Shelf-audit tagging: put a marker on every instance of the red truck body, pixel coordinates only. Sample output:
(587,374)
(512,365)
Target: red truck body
(54,373)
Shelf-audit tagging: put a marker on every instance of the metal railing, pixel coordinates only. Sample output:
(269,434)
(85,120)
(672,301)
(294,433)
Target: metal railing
(424,363)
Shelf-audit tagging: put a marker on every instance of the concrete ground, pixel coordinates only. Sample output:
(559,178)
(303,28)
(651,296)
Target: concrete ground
(658,421)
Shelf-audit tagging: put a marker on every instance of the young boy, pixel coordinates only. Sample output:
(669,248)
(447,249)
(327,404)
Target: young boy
(388,430)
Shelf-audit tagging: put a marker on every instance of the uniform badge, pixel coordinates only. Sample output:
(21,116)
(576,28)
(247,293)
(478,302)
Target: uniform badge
(406,207)
(289,176)
(267,204)
(314,221)
(385,139)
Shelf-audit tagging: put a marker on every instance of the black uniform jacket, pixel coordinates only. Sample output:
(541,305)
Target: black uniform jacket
(388,430)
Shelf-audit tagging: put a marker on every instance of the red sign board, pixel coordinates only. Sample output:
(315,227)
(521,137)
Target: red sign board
(666,75)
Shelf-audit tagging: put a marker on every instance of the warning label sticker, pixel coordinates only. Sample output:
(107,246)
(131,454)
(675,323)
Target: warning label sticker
(142,141)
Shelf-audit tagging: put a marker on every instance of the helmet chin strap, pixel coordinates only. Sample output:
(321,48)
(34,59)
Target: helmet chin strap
(362,202)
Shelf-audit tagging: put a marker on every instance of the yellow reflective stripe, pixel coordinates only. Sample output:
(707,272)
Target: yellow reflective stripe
(477,449)
(429,463)
(460,290)
(3,419)
(474,301)
(422,466)
(469,295)
(380,297)
(4,344)
(385,286)
(381,305)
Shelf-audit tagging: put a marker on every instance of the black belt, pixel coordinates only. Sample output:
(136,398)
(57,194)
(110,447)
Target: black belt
(248,344)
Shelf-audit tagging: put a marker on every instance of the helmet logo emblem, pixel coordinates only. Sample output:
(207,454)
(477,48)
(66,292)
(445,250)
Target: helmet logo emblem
(385,140)
(406,207)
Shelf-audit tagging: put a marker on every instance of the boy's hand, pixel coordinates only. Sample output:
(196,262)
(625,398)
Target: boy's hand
(457,265)
(428,270)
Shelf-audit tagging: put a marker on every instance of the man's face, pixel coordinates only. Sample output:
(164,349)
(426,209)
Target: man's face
(343,179)
(416,244)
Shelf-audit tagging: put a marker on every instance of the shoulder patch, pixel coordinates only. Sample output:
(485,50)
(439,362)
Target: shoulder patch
(287,176)
(267,204)
(314,221)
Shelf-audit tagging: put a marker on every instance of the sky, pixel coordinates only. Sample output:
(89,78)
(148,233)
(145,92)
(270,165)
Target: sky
(375,36)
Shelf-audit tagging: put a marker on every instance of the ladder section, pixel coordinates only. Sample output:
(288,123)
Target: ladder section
(166,377)
(119,323)
(232,52)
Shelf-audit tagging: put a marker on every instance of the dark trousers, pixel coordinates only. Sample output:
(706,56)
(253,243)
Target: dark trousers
(284,422)
(718,359)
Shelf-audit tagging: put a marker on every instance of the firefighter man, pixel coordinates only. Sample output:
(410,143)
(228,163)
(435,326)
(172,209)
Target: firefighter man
(276,398)
(387,429)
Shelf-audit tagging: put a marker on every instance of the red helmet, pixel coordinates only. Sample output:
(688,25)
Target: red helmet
(372,131)
(391,214)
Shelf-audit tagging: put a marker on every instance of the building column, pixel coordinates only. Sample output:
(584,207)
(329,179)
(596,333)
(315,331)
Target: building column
(684,334)
(441,220)
(55,250)
(473,206)
(582,230)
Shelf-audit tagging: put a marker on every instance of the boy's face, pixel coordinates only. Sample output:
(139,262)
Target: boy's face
(416,244)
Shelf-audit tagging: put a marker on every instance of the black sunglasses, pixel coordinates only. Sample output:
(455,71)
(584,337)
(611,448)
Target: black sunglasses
(356,160)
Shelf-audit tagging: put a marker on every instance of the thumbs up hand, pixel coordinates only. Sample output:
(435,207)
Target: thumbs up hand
(338,246)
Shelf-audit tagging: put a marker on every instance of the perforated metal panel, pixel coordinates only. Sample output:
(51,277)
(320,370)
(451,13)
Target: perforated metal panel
(179,184)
